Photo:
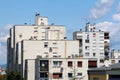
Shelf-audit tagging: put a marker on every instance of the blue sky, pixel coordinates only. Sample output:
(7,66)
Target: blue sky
(71,13)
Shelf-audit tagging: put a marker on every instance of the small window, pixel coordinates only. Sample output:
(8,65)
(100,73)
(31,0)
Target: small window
(86,40)
(94,54)
(45,52)
(43,75)
(119,61)
(70,64)
(87,54)
(79,74)
(87,47)
(112,61)
(101,60)
(55,63)
(45,44)
(101,54)
(57,75)
(79,64)
(42,24)
(92,64)
(70,75)
(50,49)
(54,52)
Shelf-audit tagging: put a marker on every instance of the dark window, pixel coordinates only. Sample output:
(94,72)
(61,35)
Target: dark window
(50,49)
(94,54)
(79,74)
(43,75)
(92,64)
(101,60)
(79,64)
(57,75)
(45,44)
(69,63)
(119,61)
(106,35)
(70,75)
(86,40)
(44,65)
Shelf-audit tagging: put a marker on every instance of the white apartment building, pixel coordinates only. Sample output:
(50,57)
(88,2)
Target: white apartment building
(59,68)
(31,47)
(39,31)
(92,43)
(46,49)
(114,57)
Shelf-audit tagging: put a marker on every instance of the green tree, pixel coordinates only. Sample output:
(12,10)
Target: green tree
(14,76)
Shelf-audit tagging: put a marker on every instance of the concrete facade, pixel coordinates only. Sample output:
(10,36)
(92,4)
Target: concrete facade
(92,43)
(32,46)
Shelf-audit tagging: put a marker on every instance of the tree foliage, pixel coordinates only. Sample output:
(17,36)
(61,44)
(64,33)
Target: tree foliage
(14,76)
(2,77)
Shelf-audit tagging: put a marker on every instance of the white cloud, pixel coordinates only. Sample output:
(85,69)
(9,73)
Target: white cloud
(4,38)
(116,17)
(3,41)
(114,29)
(101,8)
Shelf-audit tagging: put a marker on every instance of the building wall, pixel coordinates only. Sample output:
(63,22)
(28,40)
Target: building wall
(60,68)
(59,49)
(98,77)
(32,32)
(92,43)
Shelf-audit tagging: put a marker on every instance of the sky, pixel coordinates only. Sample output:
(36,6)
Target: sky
(72,13)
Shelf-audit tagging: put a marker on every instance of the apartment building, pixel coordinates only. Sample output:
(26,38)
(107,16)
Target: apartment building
(42,51)
(38,31)
(114,56)
(93,43)
(59,68)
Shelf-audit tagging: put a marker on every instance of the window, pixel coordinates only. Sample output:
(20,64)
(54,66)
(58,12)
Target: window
(92,64)
(112,61)
(43,75)
(45,52)
(94,35)
(69,63)
(119,61)
(101,60)
(57,75)
(45,44)
(44,65)
(101,54)
(54,52)
(79,64)
(50,49)
(70,75)
(42,23)
(86,40)
(57,63)
(106,35)
(79,74)
(87,47)
(94,54)
(87,54)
